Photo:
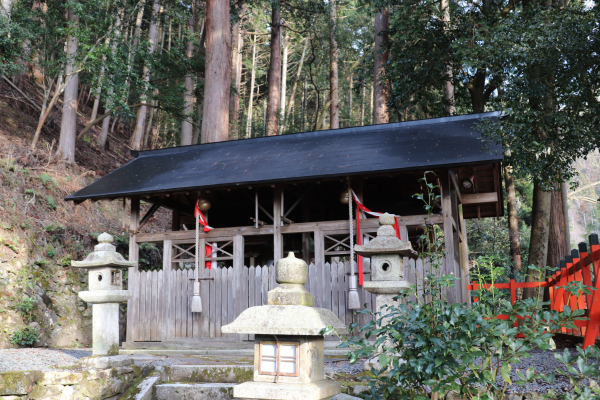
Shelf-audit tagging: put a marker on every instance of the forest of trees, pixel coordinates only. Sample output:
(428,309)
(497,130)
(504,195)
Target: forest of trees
(192,71)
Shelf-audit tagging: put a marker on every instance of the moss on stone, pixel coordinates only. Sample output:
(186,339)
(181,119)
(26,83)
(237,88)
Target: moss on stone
(17,382)
(114,350)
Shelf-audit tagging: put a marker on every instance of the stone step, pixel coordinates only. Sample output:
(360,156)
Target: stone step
(194,391)
(208,373)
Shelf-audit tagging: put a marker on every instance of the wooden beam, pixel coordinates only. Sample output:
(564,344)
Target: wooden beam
(452,176)
(480,198)
(342,226)
(149,215)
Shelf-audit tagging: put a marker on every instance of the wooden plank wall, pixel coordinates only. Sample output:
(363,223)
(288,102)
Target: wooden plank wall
(161,299)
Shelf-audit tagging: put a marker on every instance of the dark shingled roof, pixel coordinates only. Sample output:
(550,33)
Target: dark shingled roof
(402,146)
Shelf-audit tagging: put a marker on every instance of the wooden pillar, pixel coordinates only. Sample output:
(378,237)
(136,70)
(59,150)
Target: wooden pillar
(305,235)
(238,266)
(464,255)
(319,249)
(134,221)
(277,212)
(175,221)
(167,296)
(448,232)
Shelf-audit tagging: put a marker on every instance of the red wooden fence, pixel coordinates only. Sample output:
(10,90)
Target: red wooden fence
(582,265)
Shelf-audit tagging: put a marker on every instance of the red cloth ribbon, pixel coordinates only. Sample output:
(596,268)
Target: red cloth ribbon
(360,207)
(205,227)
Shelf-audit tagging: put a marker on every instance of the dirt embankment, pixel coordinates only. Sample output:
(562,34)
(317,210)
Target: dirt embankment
(40,233)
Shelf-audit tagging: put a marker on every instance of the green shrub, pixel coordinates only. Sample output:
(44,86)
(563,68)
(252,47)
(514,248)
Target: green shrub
(65,261)
(51,202)
(25,307)
(25,337)
(45,178)
(51,251)
(429,346)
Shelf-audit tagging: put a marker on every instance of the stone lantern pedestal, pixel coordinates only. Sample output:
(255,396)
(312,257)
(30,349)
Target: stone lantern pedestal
(289,347)
(387,267)
(105,292)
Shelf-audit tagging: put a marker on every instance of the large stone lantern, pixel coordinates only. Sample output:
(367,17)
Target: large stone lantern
(387,266)
(105,292)
(289,347)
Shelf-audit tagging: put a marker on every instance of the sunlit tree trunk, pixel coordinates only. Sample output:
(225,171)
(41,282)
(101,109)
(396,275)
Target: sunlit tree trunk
(215,121)
(334,110)
(304,105)
(138,134)
(188,95)
(556,237)
(66,142)
(350,120)
(103,136)
(362,108)
(199,104)
(251,97)
(293,93)
(382,53)
(448,86)
(274,78)
(236,77)
(284,67)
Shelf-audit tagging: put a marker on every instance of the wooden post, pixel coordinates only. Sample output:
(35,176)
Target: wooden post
(134,248)
(319,250)
(448,232)
(277,212)
(175,221)
(238,266)
(165,315)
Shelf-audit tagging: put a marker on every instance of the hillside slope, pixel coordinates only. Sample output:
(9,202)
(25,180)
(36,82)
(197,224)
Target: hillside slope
(40,233)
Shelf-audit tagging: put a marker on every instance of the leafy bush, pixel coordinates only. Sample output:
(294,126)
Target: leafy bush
(45,178)
(25,337)
(580,371)
(429,347)
(51,251)
(51,202)
(65,261)
(25,307)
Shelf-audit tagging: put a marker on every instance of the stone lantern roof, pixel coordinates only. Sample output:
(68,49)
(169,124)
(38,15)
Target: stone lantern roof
(104,255)
(290,310)
(386,241)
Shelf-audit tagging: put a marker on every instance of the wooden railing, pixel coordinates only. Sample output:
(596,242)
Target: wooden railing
(582,266)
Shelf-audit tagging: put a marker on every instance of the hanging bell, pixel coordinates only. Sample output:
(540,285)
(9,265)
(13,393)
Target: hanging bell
(204,205)
(344,197)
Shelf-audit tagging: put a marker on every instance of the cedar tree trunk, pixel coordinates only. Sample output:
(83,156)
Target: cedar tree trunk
(382,53)
(215,115)
(274,73)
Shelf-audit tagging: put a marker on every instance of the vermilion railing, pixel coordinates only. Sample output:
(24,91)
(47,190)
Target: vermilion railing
(582,266)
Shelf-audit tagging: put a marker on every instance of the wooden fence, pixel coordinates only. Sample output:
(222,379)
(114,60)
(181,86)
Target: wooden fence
(583,266)
(161,299)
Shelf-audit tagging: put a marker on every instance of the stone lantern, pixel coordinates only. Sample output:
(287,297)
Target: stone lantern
(289,347)
(387,266)
(105,292)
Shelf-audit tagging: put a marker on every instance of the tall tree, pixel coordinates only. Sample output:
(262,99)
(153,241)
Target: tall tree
(274,78)
(382,53)
(236,75)
(66,142)
(284,69)
(251,94)
(137,139)
(215,121)
(188,95)
(513,218)
(334,110)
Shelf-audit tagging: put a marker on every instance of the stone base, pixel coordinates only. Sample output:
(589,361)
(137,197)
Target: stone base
(287,391)
(107,362)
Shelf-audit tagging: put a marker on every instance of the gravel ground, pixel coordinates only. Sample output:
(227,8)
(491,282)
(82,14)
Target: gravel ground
(39,359)
(52,359)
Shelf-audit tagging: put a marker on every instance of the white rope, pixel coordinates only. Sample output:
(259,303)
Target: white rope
(352,267)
